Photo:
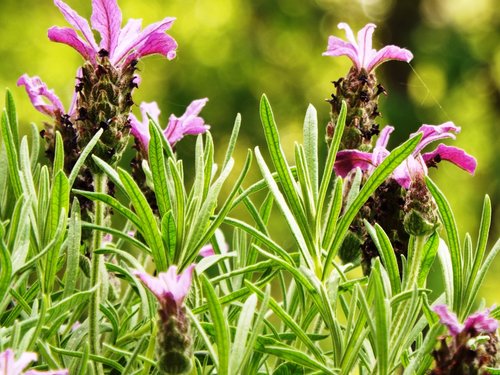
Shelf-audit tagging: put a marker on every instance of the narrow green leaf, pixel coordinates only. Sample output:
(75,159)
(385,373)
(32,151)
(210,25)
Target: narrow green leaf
(381,334)
(220,325)
(378,176)
(5,266)
(389,258)
(73,249)
(239,347)
(148,226)
(451,229)
(169,236)
(35,146)
(58,164)
(333,212)
(158,170)
(12,155)
(232,141)
(311,147)
(282,168)
(83,156)
(110,172)
(10,107)
(430,251)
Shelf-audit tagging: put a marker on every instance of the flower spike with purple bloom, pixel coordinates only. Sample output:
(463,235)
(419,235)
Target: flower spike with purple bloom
(121,45)
(10,366)
(174,343)
(189,123)
(360,51)
(348,160)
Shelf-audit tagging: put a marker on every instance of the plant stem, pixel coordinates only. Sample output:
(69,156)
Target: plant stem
(95,272)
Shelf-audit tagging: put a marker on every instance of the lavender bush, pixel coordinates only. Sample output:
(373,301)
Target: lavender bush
(112,270)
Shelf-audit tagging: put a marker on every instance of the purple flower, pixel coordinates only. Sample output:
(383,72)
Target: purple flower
(168,286)
(177,128)
(417,162)
(361,52)
(206,251)
(121,45)
(479,322)
(43,99)
(10,366)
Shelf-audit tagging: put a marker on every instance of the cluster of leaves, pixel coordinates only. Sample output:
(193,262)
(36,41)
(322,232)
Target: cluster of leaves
(257,306)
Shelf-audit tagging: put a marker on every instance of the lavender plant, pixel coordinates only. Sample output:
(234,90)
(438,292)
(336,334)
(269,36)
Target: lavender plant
(182,284)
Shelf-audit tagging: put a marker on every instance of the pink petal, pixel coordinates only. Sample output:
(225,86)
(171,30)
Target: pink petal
(150,109)
(129,32)
(188,123)
(184,283)
(43,99)
(365,50)
(69,36)
(347,160)
(136,41)
(402,175)
(481,322)
(23,361)
(348,33)
(337,47)
(433,133)
(388,53)
(139,130)
(207,251)
(383,138)
(7,361)
(51,372)
(449,319)
(155,285)
(107,19)
(454,155)
(78,22)
(157,43)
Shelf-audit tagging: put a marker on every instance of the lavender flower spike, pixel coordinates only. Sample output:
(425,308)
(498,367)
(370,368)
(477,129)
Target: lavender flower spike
(177,128)
(168,286)
(121,45)
(10,366)
(361,52)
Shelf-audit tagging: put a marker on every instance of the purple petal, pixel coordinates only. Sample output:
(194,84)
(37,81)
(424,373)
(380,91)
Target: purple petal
(129,32)
(150,109)
(206,251)
(188,123)
(39,94)
(337,47)
(388,53)
(139,130)
(136,41)
(365,50)
(449,319)
(433,133)
(78,22)
(383,138)
(50,372)
(184,283)
(347,160)
(481,322)
(402,175)
(107,19)
(7,361)
(452,154)
(155,285)
(348,34)
(22,362)
(157,43)
(69,36)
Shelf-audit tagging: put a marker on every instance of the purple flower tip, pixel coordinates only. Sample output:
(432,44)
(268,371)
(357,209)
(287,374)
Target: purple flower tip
(449,319)
(168,285)
(122,44)
(360,51)
(43,99)
(10,366)
(207,251)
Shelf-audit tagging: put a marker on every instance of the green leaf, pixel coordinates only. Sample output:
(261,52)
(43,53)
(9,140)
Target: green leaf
(148,225)
(311,147)
(453,242)
(333,212)
(10,107)
(232,141)
(169,236)
(220,325)
(158,170)
(379,175)
(12,155)
(282,168)
(83,156)
(5,266)
(430,251)
(239,347)
(73,249)
(382,308)
(58,164)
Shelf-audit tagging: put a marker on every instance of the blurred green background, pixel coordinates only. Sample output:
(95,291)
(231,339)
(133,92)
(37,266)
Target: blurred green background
(232,51)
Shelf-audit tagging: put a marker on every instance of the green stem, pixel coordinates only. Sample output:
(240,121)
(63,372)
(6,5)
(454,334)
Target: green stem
(416,259)
(100,182)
